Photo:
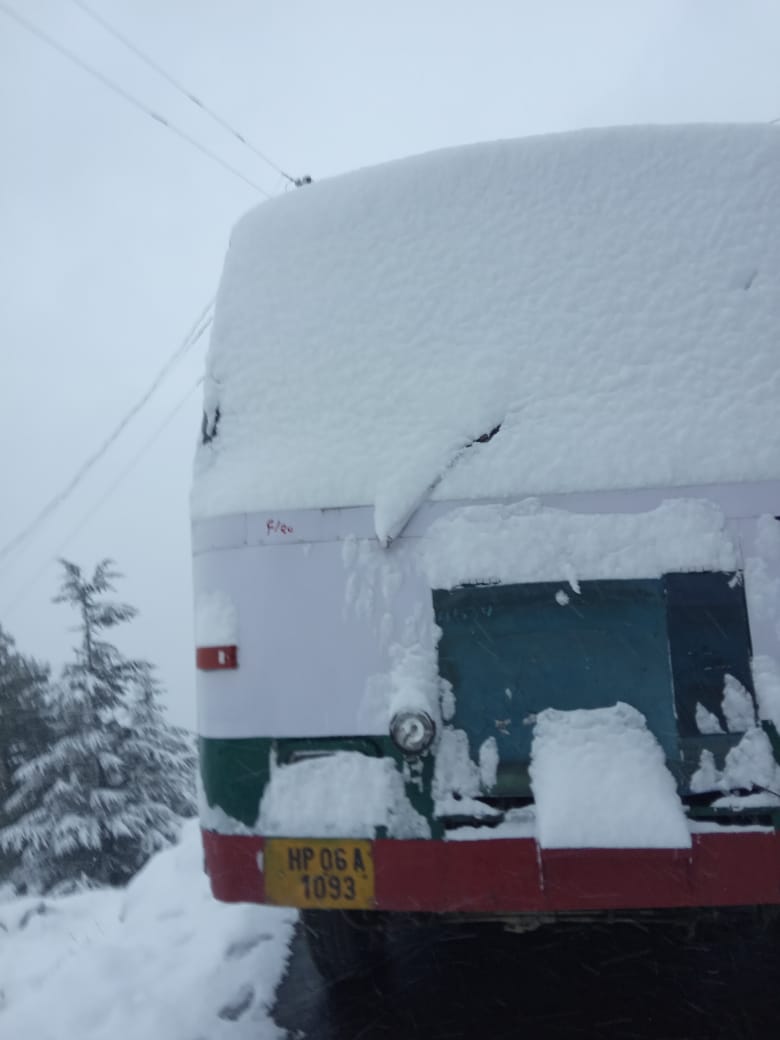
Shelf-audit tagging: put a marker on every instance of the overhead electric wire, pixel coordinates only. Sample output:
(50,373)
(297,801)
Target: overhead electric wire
(156,67)
(126,95)
(197,329)
(123,474)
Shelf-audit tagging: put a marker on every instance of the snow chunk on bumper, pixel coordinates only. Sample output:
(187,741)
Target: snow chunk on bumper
(343,795)
(600,780)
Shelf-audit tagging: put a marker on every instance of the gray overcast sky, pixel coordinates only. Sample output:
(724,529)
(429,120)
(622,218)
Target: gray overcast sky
(114,231)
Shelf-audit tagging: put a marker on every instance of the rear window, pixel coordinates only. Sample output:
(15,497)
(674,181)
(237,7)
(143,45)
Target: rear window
(666,646)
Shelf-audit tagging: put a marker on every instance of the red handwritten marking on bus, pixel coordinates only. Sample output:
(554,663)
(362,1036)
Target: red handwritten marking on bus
(277,527)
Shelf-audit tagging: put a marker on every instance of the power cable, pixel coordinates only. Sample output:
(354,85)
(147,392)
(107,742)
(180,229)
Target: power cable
(197,329)
(156,67)
(126,95)
(123,474)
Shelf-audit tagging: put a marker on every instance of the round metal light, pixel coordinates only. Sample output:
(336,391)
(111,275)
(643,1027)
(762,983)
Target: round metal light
(412,731)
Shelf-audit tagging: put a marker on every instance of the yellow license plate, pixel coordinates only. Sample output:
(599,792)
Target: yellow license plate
(317,872)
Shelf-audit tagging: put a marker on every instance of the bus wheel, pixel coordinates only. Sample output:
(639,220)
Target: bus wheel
(343,944)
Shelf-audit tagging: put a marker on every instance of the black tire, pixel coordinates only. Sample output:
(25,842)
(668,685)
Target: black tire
(344,944)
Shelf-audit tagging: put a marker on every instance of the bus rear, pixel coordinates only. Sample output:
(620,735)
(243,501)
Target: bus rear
(486,556)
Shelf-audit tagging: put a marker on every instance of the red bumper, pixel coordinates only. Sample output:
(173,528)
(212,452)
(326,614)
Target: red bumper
(505,875)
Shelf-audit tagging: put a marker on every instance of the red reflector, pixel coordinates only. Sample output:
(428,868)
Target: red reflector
(212,658)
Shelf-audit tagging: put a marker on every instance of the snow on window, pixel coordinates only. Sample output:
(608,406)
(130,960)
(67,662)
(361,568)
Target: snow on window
(749,765)
(607,298)
(707,776)
(524,543)
(738,708)
(600,780)
(762,591)
(488,763)
(706,721)
(457,780)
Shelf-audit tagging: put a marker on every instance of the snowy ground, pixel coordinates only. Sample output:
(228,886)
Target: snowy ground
(160,959)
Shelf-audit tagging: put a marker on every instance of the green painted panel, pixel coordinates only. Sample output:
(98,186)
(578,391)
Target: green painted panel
(234,774)
(510,651)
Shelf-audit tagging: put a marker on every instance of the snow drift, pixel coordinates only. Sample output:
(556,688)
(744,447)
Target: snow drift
(159,960)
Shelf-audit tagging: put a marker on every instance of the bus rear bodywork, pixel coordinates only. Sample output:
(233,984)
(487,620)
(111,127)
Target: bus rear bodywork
(485,543)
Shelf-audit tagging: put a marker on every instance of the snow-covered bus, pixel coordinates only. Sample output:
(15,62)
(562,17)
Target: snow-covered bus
(486,539)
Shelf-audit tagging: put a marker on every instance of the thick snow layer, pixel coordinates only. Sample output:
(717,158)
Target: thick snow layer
(161,960)
(600,780)
(610,297)
(344,795)
(524,542)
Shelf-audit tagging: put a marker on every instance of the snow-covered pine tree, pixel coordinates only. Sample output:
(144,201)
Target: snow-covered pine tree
(161,763)
(86,817)
(25,730)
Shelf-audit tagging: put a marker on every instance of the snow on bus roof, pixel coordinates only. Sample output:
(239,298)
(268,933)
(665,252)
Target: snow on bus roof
(609,298)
